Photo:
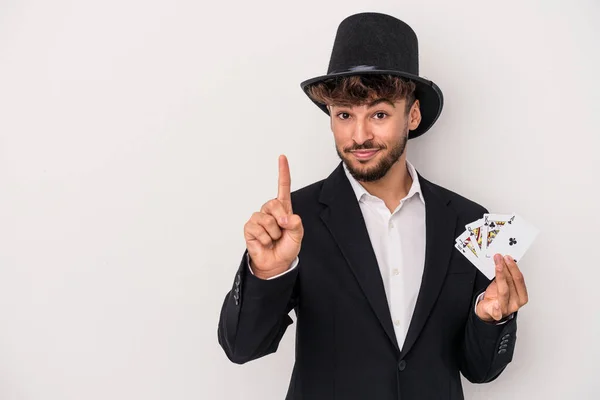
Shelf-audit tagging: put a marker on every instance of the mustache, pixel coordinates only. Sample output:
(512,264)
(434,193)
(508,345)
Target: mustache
(368,145)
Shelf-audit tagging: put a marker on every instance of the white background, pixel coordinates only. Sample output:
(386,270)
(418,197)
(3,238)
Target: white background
(137,137)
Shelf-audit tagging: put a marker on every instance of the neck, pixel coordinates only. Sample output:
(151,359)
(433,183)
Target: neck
(394,186)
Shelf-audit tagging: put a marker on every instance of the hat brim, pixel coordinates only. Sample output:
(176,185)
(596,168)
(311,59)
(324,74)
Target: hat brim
(431,99)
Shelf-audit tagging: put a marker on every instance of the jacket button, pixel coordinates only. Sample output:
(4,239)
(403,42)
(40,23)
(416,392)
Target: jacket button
(502,351)
(402,365)
(506,336)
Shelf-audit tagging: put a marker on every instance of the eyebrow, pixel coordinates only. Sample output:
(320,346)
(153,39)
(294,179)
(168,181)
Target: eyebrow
(382,100)
(369,105)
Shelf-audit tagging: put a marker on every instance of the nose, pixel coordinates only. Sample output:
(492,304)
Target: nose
(361,132)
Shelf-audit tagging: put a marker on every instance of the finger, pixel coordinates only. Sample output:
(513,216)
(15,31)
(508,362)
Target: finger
(256,233)
(285,182)
(512,291)
(518,280)
(276,208)
(502,284)
(512,303)
(269,223)
(294,228)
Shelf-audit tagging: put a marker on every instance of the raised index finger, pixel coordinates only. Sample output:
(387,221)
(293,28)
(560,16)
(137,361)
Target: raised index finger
(285,181)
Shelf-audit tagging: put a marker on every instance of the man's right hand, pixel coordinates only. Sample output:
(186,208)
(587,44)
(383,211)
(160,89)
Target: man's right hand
(274,235)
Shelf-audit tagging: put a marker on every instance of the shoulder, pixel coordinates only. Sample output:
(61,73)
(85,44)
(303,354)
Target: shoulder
(462,205)
(307,195)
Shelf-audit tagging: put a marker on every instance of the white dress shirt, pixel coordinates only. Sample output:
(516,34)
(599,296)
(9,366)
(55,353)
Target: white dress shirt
(398,239)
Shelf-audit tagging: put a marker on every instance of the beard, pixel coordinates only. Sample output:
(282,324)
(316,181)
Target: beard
(379,170)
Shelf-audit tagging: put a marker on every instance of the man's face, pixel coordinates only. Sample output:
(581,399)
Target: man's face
(370,138)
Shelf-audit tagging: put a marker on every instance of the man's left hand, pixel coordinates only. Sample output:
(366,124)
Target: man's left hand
(506,294)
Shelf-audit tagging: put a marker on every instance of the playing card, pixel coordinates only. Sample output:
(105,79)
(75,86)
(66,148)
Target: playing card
(476,233)
(492,224)
(468,253)
(466,246)
(513,239)
(464,240)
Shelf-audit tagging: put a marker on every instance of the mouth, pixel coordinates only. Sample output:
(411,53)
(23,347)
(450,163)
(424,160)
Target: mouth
(364,154)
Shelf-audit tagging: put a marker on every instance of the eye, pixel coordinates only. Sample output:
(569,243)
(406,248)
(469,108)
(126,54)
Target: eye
(380,115)
(343,115)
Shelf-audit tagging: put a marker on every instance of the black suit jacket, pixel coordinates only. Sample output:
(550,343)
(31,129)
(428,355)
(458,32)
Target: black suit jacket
(345,342)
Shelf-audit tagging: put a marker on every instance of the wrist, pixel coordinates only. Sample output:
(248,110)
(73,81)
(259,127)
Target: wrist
(266,274)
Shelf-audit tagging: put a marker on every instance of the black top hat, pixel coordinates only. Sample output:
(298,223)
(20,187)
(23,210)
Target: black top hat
(374,43)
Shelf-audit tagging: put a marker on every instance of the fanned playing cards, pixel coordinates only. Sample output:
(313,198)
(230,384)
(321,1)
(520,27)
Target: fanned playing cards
(495,233)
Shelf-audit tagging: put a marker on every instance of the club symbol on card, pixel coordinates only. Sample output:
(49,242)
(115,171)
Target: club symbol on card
(512,241)
(492,225)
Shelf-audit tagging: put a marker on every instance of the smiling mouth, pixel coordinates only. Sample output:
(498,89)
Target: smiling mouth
(364,154)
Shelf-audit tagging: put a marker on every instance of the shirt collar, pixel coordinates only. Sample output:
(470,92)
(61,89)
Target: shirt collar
(361,192)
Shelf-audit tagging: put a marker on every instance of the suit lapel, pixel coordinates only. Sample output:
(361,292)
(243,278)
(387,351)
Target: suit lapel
(440,223)
(345,221)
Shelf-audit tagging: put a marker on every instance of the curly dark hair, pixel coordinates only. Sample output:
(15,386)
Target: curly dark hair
(362,89)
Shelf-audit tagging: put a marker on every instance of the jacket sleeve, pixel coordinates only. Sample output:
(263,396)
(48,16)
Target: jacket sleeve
(487,347)
(254,315)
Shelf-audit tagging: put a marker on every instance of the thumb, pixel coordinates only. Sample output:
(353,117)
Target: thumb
(494,310)
(489,310)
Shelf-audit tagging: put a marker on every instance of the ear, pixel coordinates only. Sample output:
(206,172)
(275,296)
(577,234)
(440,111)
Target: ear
(414,116)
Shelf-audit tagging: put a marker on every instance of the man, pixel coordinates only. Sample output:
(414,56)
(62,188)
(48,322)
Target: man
(386,307)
